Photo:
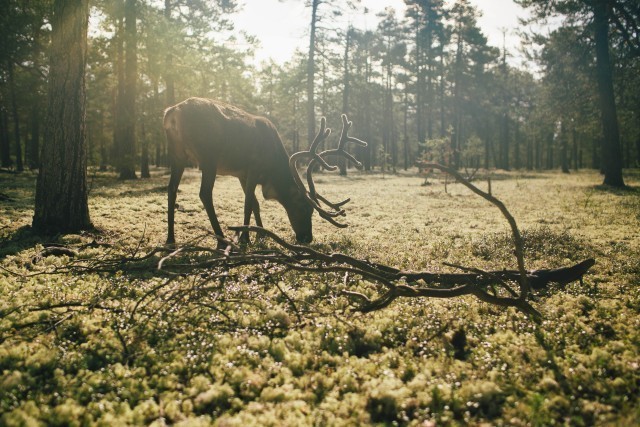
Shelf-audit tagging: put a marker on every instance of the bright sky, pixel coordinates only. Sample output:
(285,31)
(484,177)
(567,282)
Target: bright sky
(282,26)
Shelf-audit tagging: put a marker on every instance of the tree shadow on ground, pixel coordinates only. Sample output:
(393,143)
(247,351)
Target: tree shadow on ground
(15,241)
(617,191)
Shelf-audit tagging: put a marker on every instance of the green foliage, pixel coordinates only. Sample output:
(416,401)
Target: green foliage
(237,352)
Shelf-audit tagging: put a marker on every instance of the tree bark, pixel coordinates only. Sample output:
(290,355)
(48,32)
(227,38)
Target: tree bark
(564,147)
(311,71)
(611,151)
(5,147)
(34,143)
(346,87)
(144,160)
(128,142)
(168,76)
(16,119)
(61,203)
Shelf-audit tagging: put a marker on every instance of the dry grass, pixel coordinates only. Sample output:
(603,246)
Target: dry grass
(452,362)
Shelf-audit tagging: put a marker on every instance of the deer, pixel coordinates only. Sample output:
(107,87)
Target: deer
(225,140)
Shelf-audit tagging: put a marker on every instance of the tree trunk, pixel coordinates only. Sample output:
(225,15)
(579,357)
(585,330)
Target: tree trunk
(419,70)
(168,60)
(16,119)
(5,147)
(144,160)
(34,144)
(405,126)
(550,161)
(311,72)
(574,147)
(118,99)
(346,87)
(564,147)
(611,151)
(516,146)
(127,150)
(61,203)
(455,136)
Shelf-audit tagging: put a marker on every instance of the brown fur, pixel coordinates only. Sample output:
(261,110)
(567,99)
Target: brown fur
(225,140)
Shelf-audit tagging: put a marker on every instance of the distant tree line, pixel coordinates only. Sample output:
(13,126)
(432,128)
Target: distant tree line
(422,85)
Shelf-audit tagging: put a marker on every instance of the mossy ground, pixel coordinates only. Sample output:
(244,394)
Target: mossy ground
(236,353)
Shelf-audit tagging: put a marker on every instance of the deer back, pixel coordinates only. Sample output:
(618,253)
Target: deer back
(211,133)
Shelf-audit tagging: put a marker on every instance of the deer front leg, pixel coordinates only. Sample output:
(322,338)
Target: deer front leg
(206,196)
(251,205)
(174,182)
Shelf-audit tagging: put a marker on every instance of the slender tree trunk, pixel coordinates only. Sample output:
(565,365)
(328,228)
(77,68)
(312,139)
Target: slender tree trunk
(455,137)
(296,133)
(346,87)
(564,147)
(443,127)
(611,151)
(61,203)
(504,147)
(16,119)
(419,70)
(118,104)
(311,73)
(125,138)
(34,144)
(367,153)
(128,143)
(487,148)
(168,61)
(144,159)
(550,161)
(103,149)
(516,146)
(536,152)
(5,146)
(405,128)
(574,147)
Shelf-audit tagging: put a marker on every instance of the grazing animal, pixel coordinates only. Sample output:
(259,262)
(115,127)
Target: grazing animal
(225,140)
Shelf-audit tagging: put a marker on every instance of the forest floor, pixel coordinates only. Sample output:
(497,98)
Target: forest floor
(92,333)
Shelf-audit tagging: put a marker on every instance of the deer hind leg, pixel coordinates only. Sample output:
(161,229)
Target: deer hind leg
(174,182)
(251,205)
(206,196)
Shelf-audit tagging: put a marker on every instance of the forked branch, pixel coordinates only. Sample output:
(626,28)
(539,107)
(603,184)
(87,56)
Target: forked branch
(517,237)
(316,200)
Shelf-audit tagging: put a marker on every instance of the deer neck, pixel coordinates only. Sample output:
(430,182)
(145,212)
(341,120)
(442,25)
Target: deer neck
(279,185)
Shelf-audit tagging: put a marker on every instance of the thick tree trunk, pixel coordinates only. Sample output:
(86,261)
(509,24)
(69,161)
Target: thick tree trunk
(61,190)
(611,151)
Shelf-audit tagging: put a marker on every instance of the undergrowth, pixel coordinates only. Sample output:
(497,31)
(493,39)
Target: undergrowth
(130,345)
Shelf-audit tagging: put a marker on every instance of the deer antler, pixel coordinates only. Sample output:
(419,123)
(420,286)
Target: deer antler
(311,194)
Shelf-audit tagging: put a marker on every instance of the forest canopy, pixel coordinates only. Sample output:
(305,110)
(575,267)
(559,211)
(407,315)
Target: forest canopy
(423,82)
